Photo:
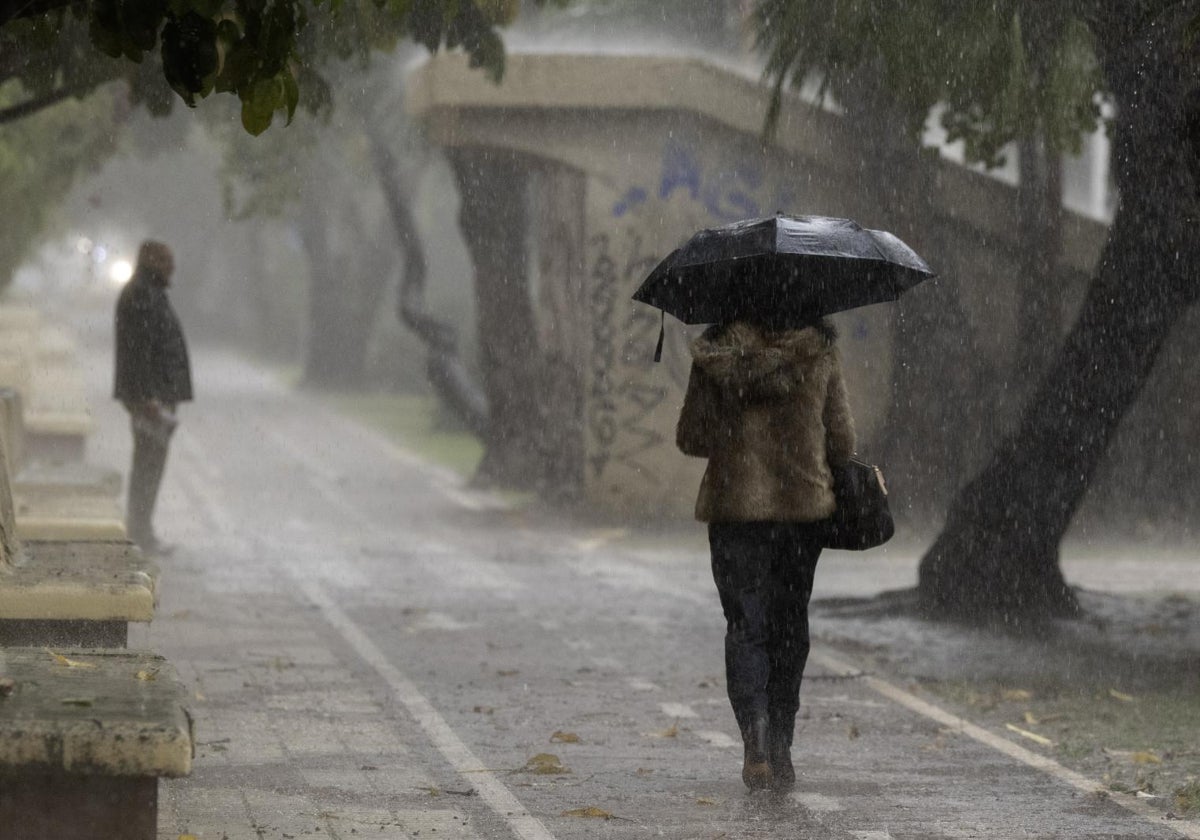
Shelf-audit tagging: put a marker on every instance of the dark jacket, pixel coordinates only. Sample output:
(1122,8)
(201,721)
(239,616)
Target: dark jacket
(151,354)
(769,412)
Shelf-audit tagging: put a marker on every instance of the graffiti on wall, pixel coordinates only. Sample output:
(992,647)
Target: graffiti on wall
(631,400)
(620,408)
(734,189)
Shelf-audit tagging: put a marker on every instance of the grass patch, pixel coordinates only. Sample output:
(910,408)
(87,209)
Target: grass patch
(1145,741)
(411,421)
(1187,798)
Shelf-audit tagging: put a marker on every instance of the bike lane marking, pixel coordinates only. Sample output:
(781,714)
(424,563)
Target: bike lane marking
(489,787)
(445,740)
(1049,766)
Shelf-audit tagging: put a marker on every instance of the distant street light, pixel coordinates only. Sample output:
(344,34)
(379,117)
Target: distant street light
(120,272)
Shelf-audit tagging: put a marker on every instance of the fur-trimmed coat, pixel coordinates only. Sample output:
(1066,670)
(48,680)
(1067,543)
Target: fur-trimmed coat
(769,412)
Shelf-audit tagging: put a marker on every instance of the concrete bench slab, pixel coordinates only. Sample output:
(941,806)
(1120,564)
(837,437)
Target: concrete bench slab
(84,593)
(67,479)
(79,516)
(48,473)
(81,593)
(84,738)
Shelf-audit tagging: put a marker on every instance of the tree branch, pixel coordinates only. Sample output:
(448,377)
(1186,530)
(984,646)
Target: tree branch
(15,9)
(32,106)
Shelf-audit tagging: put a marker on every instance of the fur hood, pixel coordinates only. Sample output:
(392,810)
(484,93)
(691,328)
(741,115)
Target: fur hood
(768,409)
(755,363)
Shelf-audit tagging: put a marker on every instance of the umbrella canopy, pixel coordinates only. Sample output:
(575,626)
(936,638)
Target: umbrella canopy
(781,271)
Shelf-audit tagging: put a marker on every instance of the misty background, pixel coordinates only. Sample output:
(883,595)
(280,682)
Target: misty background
(286,251)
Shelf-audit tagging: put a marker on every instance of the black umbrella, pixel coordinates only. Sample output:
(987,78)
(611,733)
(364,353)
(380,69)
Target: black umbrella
(782,271)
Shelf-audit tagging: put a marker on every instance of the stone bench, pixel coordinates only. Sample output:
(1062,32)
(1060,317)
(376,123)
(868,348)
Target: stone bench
(69,592)
(40,361)
(85,735)
(54,516)
(58,420)
(48,477)
(59,501)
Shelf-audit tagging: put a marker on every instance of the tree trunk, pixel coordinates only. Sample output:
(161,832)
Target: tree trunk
(997,558)
(494,220)
(447,374)
(343,296)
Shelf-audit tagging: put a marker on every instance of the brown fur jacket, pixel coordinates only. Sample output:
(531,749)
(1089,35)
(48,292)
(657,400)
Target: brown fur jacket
(769,411)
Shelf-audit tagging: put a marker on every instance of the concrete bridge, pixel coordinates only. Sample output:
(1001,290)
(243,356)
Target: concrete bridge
(625,156)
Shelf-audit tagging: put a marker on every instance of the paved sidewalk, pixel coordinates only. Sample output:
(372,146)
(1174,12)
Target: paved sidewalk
(367,657)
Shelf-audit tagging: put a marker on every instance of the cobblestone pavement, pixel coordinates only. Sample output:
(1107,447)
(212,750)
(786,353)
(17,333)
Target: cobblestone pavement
(372,651)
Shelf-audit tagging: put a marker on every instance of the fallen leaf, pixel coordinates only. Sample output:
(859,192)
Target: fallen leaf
(852,731)
(1120,695)
(565,738)
(147,674)
(78,701)
(703,800)
(1031,719)
(1032,736)
(483,710)
(68,663)
(671,731)
(187,837)
(643,771)
(1145,757)
(591,811)
(545,764)
(7,686)
(1016,695)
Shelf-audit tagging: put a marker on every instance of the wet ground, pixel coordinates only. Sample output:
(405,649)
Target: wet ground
(374,651)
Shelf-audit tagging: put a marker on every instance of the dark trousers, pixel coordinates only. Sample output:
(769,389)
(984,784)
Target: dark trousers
(145,476)
(764,574)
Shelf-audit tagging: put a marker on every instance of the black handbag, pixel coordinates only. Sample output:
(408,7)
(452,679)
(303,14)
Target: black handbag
(862,519)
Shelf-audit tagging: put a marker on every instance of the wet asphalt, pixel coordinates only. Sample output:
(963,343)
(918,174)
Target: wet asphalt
(372,650)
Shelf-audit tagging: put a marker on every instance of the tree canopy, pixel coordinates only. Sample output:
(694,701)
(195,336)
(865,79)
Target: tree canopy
(265,54)
(1023,69)
(999,71)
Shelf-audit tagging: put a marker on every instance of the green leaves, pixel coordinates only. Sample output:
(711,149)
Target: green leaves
(1001,70)
(189,55)
(262,51)
(261,100)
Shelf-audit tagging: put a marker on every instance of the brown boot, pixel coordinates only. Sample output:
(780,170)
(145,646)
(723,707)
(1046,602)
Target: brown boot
(756,766)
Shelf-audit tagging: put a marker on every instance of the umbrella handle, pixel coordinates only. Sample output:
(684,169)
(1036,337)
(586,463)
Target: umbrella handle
(662,333)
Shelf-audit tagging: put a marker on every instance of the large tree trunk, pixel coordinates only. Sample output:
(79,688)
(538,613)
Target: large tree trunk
(494,219)
(997,558)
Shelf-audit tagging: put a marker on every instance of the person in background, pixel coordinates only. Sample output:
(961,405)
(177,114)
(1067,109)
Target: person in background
(152,377)
(767,407)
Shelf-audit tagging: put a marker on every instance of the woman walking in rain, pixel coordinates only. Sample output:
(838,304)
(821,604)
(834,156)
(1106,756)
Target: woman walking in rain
(768,409)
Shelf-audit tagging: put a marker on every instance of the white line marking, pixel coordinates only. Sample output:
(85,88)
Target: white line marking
(818,802)
(677,710)
(1002,745)
(490,789)
(502,801)
(717,739)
